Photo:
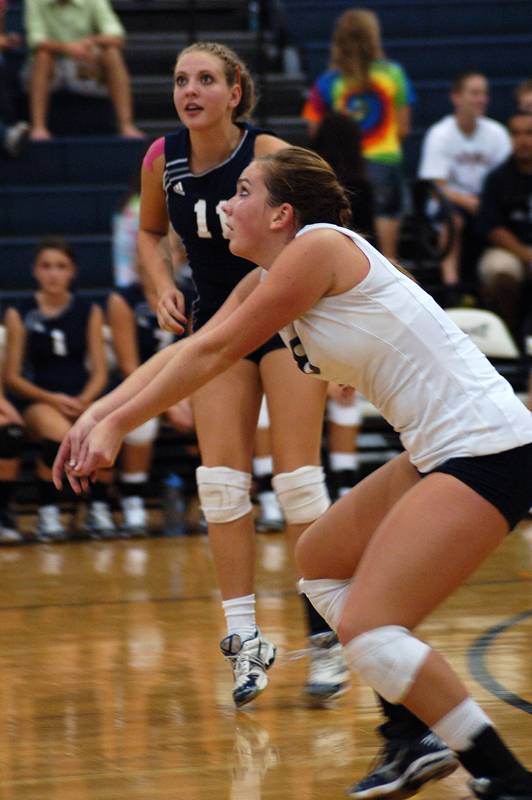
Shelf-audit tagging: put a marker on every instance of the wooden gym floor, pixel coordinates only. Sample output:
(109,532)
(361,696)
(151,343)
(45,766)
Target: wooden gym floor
(112,685)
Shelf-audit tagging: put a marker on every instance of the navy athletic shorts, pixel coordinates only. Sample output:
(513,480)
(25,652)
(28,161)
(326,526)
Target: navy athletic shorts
(503,479)
(275,343)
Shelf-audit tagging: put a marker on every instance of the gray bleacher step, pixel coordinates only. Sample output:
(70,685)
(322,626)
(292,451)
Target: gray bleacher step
(306,20)
(291,129)
(64,209)
(279,95)
(155,53)
(73,160)
(175,15)
(441,57)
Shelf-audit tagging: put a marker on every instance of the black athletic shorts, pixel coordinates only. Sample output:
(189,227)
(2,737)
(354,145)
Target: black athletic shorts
(503,479)
(275,343)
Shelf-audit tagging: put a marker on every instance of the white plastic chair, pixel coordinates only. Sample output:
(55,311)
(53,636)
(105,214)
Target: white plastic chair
(487,330)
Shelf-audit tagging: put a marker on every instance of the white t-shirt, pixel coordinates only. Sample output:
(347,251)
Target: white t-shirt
(389,339)
(463,161)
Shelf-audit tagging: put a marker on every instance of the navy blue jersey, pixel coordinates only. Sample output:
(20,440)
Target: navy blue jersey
(150,337)
(55,349)
(194,208)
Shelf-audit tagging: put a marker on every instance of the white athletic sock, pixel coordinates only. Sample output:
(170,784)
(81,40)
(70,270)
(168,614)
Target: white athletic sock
(134,477)
(240,616)
(341,461)
(459,727)
(327,597)
(262,465)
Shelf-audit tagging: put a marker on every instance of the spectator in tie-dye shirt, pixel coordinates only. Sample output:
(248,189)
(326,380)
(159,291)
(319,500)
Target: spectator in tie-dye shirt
(361,82)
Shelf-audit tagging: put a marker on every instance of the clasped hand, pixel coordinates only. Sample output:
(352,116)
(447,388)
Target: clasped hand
(88,446)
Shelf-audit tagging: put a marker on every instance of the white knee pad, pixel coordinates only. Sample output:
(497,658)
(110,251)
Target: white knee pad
(223,493)
(144,434)
(388,659)
(349,416)
(302,494)
(327,596)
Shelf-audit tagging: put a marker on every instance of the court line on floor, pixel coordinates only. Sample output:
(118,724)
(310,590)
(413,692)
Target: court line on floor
(476,660)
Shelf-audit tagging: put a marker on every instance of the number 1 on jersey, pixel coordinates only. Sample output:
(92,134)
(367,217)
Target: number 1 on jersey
(201,218)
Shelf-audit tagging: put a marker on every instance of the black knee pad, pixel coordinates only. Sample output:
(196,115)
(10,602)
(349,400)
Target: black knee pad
(11,437)
(49,450)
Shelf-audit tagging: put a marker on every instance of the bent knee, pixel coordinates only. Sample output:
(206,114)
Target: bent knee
(302,494)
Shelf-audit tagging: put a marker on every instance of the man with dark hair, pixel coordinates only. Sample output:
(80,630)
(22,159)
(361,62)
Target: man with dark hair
(505,219)
(457,153)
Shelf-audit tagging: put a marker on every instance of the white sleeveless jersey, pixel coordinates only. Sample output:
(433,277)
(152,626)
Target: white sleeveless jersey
(389,339)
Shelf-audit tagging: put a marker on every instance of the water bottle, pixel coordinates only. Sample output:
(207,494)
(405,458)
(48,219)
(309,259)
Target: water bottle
(174,507)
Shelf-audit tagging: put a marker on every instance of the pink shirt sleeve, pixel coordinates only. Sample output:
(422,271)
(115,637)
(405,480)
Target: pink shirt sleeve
(154,151)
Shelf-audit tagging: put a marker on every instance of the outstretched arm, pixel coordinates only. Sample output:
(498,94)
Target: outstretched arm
(300,277)
(68,453)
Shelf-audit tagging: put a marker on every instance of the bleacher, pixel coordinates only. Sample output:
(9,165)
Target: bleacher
(73,184)
(434,41)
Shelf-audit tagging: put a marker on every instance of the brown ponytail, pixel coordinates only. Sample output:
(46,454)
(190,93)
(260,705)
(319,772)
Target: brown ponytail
(305,181)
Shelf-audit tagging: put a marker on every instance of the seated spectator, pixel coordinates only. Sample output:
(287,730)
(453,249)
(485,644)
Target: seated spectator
(76,44)
(523,96)
(457,153)
(363,83)
(270,516)
(55,364)
(136,337)
(505,219)
(338,140)
(13,137)
(124,232)
(343,415)
(11,435)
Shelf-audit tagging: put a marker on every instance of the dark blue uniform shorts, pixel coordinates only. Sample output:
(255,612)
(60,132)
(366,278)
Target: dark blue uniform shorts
(503,479)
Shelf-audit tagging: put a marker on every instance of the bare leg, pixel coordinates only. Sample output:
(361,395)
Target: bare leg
(434,535)
(226,412)
(387,230)
(504,298)
(135,458)
(296,404)
(119,85)
(39,89)
(450,265)
(46,422)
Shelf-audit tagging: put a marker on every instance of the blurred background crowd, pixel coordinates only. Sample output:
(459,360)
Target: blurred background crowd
(424,110)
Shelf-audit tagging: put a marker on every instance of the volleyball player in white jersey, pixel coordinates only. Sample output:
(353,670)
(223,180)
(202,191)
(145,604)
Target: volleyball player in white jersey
(401,541)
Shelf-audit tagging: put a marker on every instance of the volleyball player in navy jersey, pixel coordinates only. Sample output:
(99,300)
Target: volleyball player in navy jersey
(11,438)
(51,334)
(136,337)
(185,179)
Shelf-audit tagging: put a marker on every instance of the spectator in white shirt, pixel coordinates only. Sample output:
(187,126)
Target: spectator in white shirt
(457,153)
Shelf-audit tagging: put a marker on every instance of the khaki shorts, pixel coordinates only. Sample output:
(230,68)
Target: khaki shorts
(497,260)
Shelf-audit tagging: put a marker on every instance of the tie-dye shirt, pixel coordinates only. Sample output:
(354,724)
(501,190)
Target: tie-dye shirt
(373,108)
